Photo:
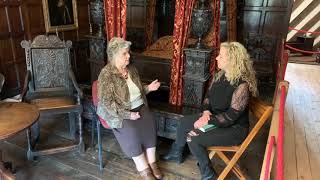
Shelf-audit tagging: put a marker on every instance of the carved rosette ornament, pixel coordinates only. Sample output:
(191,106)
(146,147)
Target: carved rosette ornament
(201,21)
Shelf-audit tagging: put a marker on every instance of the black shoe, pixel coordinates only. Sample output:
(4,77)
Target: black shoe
(207,172)
(174,155)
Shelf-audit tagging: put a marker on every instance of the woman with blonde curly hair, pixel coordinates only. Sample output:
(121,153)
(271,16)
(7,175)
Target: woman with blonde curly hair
(225,106)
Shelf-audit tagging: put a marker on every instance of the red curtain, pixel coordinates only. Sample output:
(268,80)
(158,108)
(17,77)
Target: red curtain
(150,21)
(182,20)
(115,18)
(216,35)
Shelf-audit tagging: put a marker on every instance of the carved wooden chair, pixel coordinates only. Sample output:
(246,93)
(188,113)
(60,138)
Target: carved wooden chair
(51,85)
(262,112)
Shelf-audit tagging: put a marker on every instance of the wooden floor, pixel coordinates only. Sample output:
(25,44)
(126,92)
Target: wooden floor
(73,165)
(302,123)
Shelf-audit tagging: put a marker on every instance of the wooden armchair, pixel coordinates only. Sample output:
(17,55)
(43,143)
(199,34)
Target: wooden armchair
(262,112)
(51,85)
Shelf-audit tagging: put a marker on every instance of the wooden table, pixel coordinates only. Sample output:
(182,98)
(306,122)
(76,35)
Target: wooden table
(14,118)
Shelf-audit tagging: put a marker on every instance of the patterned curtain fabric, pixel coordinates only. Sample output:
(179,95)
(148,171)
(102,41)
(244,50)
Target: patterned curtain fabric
(216,35)
(150,21)
(115,18)
(182,22)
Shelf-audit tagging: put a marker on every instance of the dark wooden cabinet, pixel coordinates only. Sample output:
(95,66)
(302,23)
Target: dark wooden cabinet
(262,25)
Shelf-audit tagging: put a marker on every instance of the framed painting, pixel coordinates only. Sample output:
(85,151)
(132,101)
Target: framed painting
(60,15)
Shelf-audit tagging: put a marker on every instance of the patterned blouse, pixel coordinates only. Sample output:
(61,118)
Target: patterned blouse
(228,103)
(113,94)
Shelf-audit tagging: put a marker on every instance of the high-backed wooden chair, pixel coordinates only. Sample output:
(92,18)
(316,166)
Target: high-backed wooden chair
(262,112)
(51,85)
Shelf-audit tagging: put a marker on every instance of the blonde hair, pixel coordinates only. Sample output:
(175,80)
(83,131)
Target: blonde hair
(239,66)
(114,45)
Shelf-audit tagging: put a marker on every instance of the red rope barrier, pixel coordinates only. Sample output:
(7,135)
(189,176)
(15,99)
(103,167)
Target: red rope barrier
(304,31)
(302,51)
(267,167)
(280,165)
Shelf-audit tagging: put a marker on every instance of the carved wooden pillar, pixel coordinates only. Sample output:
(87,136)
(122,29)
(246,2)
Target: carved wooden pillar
(197,72)
(97,55)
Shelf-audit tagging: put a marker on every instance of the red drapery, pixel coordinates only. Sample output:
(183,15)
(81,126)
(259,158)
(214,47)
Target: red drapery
(182,22)
(115,18)
(216,35)
(150,21)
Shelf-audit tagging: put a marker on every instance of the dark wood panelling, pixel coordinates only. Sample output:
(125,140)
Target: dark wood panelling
(249,3)
(34,19)
(251,20)
(136,13)
(273,23)
(266,20)
(23,19)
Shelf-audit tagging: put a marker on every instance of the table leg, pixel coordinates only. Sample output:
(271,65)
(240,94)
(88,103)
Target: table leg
(29,152)
(5,174)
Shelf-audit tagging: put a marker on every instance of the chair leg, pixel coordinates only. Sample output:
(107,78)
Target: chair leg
(72,125)
(211,154)
(81,143)
(93,123)
(99,146)
(35,133)
(234,169)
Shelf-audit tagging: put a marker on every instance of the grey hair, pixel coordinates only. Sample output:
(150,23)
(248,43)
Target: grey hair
(114,45)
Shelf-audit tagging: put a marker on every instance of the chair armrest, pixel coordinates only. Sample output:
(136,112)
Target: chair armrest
(25,86)
(75,84)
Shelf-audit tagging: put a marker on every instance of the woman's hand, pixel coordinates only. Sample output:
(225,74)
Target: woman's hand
(200,122)
(154,85)
(190,134)
(203,120)
(134,115)
(206,114)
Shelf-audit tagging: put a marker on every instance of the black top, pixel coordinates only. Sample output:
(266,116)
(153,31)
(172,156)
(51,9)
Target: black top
(228,103)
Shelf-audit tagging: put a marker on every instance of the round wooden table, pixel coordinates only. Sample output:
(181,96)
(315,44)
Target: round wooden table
(14,118)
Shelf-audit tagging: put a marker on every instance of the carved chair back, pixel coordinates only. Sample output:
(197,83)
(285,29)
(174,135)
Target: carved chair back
(48,62)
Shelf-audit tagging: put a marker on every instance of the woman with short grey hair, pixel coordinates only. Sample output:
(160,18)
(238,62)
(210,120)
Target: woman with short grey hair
(123,104)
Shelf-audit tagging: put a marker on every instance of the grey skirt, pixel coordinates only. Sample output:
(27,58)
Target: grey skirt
(137,135)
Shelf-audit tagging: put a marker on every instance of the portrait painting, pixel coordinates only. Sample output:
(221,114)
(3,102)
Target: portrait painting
(60,15)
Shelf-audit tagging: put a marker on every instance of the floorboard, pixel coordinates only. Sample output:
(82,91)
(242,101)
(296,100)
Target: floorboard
(72,165)
(302,122)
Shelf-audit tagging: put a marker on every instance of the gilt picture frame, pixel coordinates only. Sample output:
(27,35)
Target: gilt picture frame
(60,15)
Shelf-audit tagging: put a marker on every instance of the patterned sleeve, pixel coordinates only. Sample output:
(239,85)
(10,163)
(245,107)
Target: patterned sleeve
(107,99)
(205,104)
(239,102)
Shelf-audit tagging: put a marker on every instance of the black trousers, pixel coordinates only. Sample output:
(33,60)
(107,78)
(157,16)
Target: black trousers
(228,136)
